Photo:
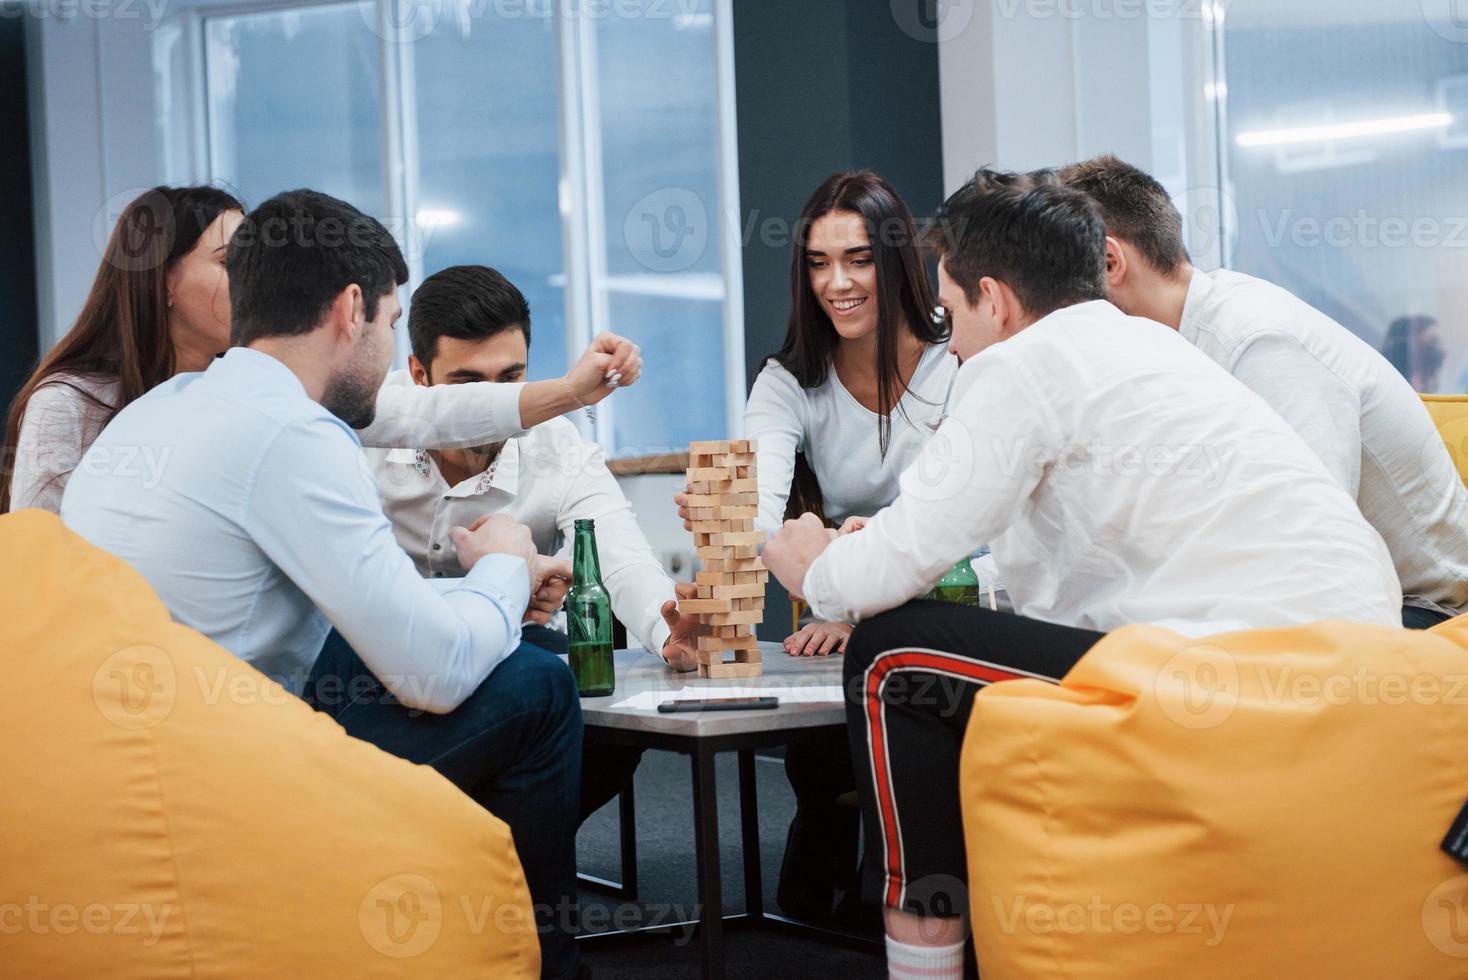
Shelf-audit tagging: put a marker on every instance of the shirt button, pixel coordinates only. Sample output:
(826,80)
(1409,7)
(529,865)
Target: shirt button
(438,547)
(438,574)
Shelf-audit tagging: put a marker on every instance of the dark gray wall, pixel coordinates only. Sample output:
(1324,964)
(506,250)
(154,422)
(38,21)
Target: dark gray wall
(823,86)
(17,233)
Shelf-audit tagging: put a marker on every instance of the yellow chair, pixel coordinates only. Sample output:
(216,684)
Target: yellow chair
(1450,415)
(1260,804)
(167,811)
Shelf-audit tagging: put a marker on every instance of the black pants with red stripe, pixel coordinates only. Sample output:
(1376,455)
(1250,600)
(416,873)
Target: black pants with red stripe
(911,677)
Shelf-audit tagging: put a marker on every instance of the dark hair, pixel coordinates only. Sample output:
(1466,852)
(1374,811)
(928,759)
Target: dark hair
(464,302)
(904,292)
(293,255)
(1044,241)
(1415,359)
(1136,208)
(122,331)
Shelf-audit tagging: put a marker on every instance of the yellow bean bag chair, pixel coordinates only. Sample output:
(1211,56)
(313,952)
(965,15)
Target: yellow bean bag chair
(1264,804)
(1450,415)
(167,811)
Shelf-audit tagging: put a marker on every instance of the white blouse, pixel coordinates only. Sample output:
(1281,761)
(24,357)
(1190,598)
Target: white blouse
(839,437)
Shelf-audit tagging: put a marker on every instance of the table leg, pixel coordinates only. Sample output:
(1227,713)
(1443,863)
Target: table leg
(706,852)
(754,895)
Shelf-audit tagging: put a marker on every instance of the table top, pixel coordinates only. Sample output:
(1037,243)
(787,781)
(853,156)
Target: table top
(795,680)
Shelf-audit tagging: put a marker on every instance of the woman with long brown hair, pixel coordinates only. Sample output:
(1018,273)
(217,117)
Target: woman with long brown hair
(158,306)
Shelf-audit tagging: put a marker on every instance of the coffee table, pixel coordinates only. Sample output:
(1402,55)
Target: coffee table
(702,736)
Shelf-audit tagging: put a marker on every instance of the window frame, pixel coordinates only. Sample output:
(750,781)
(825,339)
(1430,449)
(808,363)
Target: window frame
(583,230)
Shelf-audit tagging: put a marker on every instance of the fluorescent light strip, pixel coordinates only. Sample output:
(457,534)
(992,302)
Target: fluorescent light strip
(1346,131)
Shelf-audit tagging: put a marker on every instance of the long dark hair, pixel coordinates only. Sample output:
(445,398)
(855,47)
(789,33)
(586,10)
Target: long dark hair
(122,331)
(904,292)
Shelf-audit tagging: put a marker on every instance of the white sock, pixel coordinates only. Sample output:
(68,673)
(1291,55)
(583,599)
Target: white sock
(906,962)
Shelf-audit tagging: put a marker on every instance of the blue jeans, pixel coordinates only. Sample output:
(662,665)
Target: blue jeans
(514,746)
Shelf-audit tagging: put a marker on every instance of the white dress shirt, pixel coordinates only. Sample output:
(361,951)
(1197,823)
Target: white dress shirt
(1356,411)
(547,479)
(839,438)
(262,528)
(1121,477)
(65,415)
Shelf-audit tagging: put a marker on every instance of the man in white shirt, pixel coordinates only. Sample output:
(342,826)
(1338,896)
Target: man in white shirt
(469,324)
(1120,477)
(1358,414)
(264,529)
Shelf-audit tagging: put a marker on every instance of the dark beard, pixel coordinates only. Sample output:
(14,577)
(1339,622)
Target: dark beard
(350,400)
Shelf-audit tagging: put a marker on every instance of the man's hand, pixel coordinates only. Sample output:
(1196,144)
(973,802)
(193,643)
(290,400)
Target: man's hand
(550,580)
(492,534)
(680,651)
(794,548)
(681,500)
(818,640)
(607,355)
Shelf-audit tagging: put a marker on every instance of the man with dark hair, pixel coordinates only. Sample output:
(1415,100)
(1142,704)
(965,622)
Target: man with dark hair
(470,324)
(1119,476)
(264,529)
(1357,413)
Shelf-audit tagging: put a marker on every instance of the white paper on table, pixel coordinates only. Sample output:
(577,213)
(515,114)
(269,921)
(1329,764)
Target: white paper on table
(787,693)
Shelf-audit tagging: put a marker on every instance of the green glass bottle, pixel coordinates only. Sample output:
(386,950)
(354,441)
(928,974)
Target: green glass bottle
(589,618)
(958,585)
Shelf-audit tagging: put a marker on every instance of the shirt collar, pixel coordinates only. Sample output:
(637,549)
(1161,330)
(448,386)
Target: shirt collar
(259,367)
(1198,293)
(503,474)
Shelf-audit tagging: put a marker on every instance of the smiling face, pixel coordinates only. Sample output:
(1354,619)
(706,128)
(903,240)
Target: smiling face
(502,357)
(843,273)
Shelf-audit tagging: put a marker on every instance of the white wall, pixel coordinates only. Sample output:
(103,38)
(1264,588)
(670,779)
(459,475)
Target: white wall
(1039,83)
(96,144)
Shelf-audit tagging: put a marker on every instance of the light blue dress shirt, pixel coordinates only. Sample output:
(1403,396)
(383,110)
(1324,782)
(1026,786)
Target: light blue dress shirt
(250,510)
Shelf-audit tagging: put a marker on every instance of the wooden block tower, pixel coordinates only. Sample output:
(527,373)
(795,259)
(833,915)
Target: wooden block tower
(723,500)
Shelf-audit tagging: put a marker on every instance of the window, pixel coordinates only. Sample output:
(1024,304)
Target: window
(584,149)
(1346,127)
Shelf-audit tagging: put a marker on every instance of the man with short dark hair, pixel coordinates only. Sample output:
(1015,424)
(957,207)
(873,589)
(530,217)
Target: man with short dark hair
(1359,415)
(470,324)
(1119,476)
(264,530)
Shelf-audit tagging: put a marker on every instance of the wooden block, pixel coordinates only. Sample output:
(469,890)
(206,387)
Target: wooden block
(734,459)
(726,513)
(707,592)
(747,656)
(752,602)
(742,446)
(707,577)
(736,617)
(716,643)
(710,487)
(745,630)
(731,670)
(713,474)
(714,447)
(721,500)
(750,591)
(755,564)
(717,552)
(743,524)
(703,514)
(701,606)
(760,577)
(736,537)
(709,526)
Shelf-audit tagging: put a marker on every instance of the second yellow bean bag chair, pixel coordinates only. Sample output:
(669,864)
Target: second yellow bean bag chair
(167,811)
(1263,805)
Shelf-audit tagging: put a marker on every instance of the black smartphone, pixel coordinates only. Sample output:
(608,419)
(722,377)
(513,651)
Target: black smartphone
(718,704)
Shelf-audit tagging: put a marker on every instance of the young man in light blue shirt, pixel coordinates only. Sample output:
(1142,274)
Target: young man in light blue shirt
(264,529)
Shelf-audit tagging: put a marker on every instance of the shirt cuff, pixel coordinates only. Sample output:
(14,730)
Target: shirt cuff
(659,636)
(503,578)
(818,593)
